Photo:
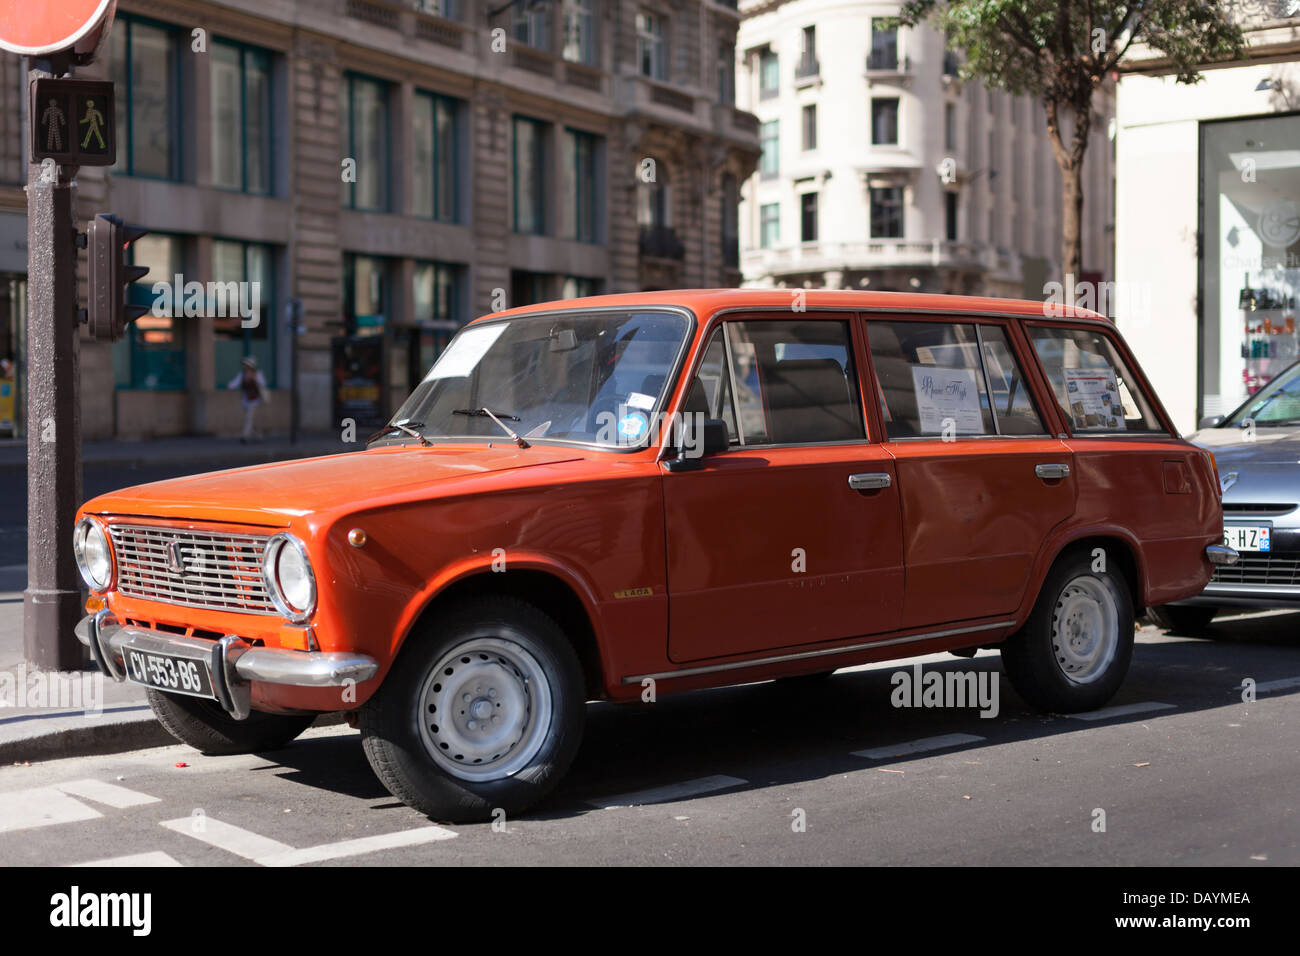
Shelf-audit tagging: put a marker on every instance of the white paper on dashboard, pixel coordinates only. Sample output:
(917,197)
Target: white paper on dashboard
(943,393)
(465,352)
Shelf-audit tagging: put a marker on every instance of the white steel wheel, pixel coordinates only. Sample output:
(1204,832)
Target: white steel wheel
(1085,628)
(485,709)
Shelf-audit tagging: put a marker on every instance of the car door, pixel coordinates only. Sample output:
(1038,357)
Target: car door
(981,480)
(792,536)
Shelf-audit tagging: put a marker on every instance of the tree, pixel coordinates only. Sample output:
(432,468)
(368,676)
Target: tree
(1061,51)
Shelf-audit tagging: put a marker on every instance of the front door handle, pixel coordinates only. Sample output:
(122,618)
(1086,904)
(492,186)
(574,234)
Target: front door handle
(869,480)
(1053,470)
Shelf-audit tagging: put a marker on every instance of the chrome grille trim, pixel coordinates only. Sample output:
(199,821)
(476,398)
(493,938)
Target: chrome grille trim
(223,572)
(1255,568)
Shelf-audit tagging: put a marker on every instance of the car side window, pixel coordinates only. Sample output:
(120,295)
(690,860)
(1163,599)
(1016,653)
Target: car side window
(793,382)
(1094,386)
(1013,405)
(710,393)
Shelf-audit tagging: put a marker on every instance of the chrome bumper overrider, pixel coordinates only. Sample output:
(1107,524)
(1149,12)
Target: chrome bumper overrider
(232,661)
(1221,554)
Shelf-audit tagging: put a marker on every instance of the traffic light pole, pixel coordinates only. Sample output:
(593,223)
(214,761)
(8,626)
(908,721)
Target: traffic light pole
(52,601)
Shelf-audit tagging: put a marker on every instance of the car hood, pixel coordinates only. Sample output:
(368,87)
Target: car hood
(275,493)
(1265,471)
(1279,446)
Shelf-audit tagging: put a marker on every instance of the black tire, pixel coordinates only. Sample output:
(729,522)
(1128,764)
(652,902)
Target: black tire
(399,737)
(1035,658)
(208,729)
(1182,618)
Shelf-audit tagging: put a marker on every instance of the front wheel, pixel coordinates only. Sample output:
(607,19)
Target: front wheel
(483,711)
(1073,652)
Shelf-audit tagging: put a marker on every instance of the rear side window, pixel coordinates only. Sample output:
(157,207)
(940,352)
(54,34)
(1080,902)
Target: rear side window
(940,378)
(1093,385)
(789,382)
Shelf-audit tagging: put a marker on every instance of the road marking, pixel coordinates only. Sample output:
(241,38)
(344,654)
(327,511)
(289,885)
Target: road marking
(1263,687)
(1121,710)
(267,852)
(41,807)
(921,746)
(673,791)
(156,858)
(109,794)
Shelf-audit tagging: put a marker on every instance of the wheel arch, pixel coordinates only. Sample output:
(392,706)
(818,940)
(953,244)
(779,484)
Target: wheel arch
(1120,547)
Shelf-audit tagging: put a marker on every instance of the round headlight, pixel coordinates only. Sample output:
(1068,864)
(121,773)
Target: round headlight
(94,554)
(289,578)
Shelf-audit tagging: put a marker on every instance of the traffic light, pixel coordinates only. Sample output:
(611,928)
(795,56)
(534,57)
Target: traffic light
(110,278)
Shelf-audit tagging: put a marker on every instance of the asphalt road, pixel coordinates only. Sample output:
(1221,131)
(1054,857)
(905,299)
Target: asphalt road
(1186,772)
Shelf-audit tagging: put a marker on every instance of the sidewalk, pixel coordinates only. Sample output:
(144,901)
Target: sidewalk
(204,452)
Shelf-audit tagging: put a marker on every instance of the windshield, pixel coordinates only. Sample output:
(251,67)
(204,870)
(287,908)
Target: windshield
(1277,403)
(588,377)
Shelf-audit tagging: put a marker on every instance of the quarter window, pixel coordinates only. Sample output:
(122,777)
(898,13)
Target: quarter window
(1094,386)
(241,118)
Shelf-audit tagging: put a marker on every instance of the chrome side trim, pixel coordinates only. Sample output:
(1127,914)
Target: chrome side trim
(821,652)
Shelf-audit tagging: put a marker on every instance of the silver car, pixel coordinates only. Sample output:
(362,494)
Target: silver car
(1257,449)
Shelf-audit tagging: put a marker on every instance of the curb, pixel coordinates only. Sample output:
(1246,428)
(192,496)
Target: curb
(100,739)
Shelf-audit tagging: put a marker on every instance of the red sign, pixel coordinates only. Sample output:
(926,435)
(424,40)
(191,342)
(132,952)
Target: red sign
(42,27)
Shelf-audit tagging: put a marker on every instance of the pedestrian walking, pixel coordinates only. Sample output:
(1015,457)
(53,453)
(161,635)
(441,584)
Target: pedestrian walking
(254,393)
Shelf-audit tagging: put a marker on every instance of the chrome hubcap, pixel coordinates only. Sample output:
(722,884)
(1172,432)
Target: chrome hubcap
(485,709)
(1085,629)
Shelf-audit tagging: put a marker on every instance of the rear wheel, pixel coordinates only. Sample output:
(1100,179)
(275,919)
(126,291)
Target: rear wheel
(482,711)
(1182,619)
(1073,652)
(208,729)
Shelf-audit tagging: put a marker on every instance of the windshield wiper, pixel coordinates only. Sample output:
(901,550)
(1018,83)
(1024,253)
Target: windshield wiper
(407,426)
(481,412)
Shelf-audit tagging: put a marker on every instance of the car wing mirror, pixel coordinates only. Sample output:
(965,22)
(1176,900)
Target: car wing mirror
(1210,421)
(708,438)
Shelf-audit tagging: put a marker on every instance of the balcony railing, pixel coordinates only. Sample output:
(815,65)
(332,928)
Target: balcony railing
(661,242)
(807,68)
(887,61)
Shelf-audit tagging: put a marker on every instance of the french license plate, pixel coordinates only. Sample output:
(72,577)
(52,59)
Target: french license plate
(178,675)
(1248,537)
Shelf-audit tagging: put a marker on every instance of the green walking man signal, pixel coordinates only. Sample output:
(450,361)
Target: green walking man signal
(108,310)
(72,122)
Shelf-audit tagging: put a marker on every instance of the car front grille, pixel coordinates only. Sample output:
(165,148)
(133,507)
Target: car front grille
(1260,569)
(217,571)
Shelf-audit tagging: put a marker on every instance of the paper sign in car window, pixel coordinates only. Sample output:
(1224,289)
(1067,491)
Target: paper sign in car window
(465,352)
(947,393)
(1092,395)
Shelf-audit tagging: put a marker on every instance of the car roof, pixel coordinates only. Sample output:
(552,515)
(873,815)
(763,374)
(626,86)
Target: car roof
(704,302)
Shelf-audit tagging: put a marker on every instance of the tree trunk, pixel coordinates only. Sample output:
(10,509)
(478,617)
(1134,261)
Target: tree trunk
(1071,227)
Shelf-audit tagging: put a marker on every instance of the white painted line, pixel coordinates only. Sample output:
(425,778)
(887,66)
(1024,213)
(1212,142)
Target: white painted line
(156,858)
(41,807)
(226,837)
(1263,687)
(924,745)
(1122,710)
(370,844)
(673,791)
(267,852)
(109,794)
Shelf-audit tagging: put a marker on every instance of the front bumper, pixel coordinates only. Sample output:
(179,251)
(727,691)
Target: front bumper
(232,661)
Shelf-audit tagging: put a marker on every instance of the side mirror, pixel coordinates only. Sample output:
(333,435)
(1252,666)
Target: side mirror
(711,438)
(1210,421)
(715,436)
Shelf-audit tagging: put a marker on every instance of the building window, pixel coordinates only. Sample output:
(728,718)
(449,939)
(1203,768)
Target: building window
(581,33)
(244,271)
(532,23)
(581,186)
(949,126)
(241,118)
(447,9)
(808,217)
(366,295)
(808,65)
(730,222)
(993,162)
(769,138)
(884,45)
(769,75)
(887,212)
(810,127)
(435,157)
(950,215)
(579,287)
(365,127)
(145,70)
(529,176)
(651,48)
(528,288)
(726,74)
(884,122)
(152,356)
(769,225)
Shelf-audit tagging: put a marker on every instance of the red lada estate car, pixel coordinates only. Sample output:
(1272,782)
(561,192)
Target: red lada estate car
(681,489)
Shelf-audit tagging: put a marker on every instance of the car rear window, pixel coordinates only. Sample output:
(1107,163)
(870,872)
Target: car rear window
(1094,386)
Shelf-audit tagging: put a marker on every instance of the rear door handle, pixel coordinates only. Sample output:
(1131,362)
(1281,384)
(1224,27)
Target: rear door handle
(869,480)
(1053,470)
